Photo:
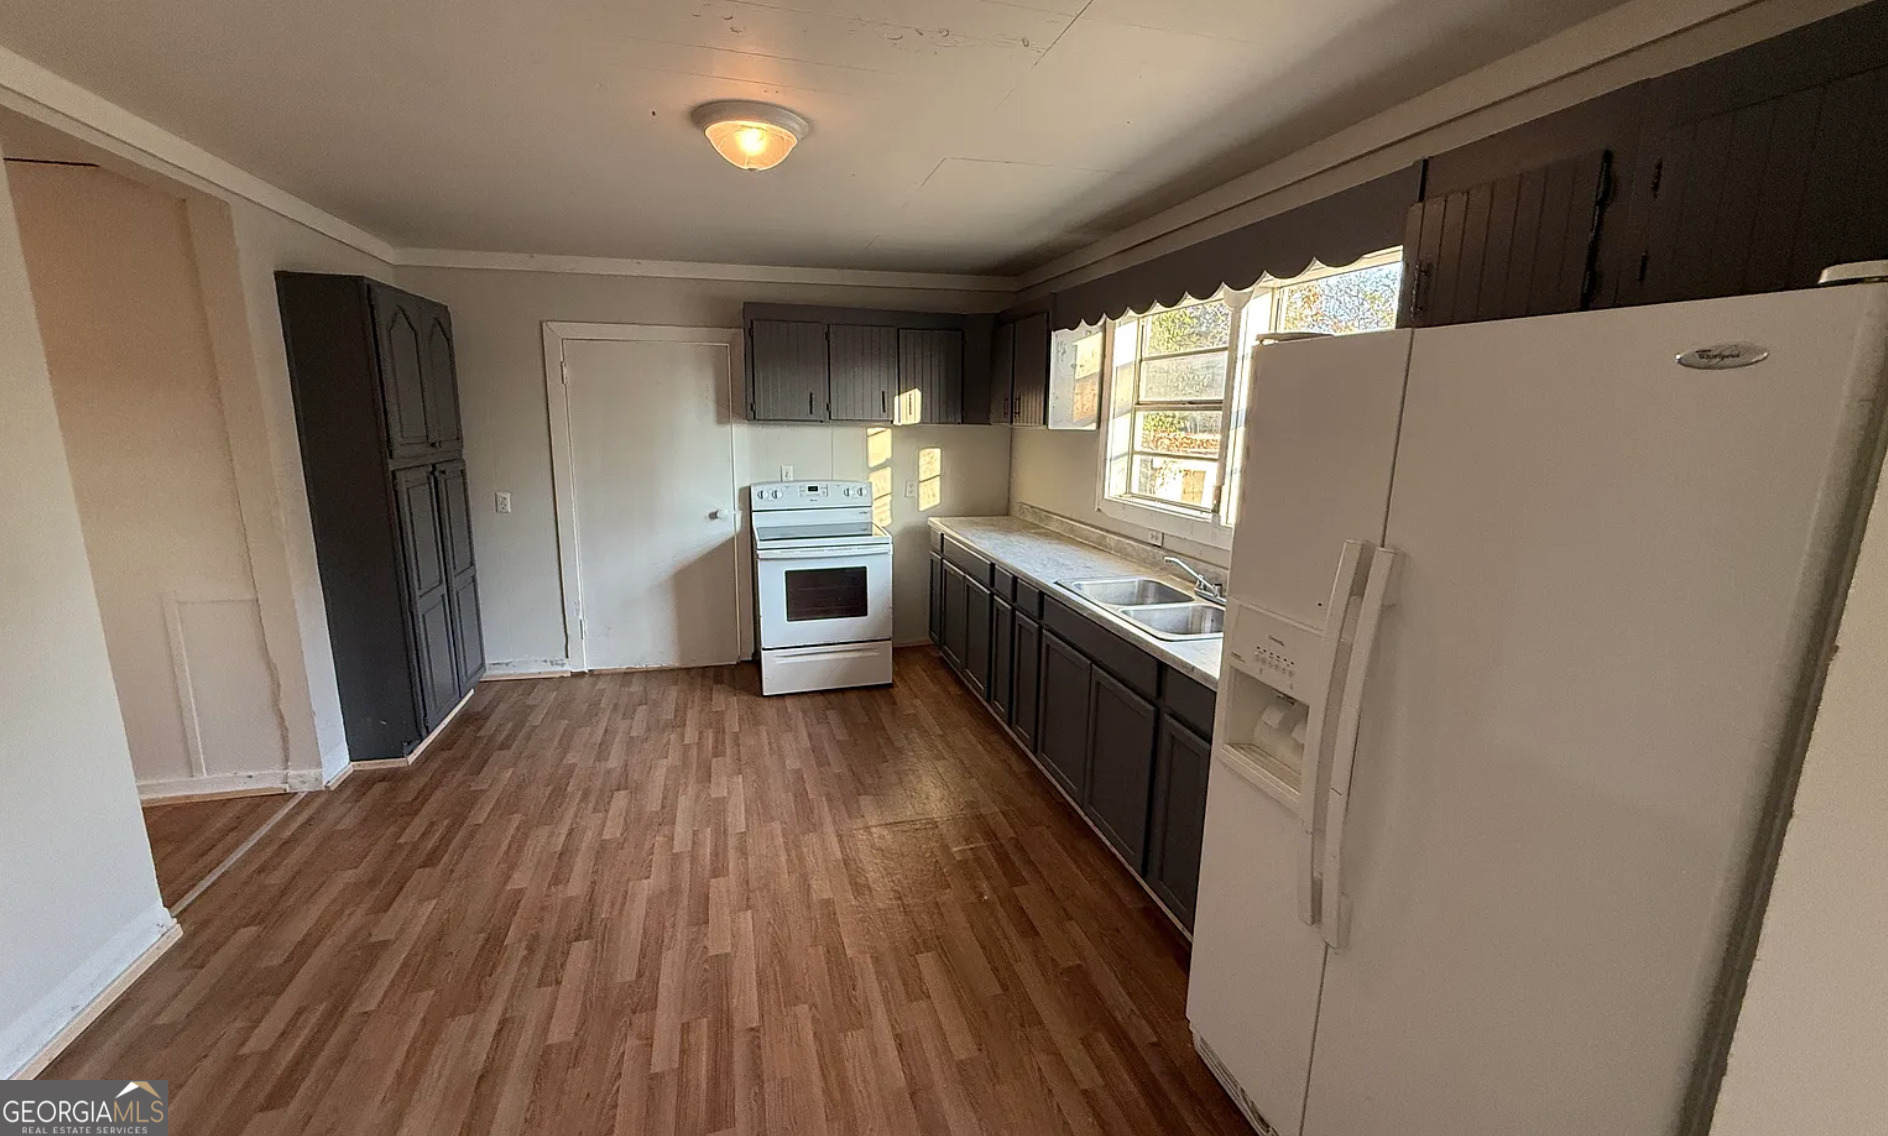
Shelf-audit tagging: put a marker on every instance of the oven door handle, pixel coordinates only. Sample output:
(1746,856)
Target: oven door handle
(842,557)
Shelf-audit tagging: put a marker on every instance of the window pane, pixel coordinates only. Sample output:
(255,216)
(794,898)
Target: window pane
(1179,480)
(1364,300)
(1186,378)
(1192,328)
(1182,433)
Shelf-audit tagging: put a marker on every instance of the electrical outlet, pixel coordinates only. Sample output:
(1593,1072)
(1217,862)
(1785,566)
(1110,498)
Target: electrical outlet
(911,489)
(1157,538)
(786,473)
(502,502)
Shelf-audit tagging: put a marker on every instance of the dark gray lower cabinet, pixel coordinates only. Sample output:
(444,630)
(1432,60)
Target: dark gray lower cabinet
(977,636)
(937,599)
(1002,655)
(1177,819)
(1062,727)
(951,615)
(1120,763)
(1081,699)
(1026,680)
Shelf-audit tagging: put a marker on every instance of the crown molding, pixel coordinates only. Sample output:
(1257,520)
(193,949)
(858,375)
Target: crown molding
(1603,53)
(33,91)
(699,270)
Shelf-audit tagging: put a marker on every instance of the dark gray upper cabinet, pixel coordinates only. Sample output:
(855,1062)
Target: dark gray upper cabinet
(1002,372)
(1029,388)
(931,362)
(399,322)
(440,368)
(372,371)
(1062,725)
(787,365)
(863,366)
(1522,245)
(1120,764)
(1177,817)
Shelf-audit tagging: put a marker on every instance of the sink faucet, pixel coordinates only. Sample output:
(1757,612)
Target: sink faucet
(1202,587)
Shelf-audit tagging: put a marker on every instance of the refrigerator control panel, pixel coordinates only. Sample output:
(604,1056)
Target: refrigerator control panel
(1277,651)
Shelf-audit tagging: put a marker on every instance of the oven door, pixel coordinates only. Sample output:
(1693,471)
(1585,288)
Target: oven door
(813,597)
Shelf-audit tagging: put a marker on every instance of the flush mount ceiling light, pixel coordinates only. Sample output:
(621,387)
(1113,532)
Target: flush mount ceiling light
(753,136)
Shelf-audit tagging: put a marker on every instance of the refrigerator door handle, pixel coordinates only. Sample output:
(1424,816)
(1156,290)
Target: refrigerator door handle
(1377,596)
(1351,563)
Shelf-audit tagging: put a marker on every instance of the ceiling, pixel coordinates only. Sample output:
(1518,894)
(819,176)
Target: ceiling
(948,135)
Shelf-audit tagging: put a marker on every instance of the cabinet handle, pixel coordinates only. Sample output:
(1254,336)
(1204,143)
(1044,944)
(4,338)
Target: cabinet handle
(809,404)
(884,406)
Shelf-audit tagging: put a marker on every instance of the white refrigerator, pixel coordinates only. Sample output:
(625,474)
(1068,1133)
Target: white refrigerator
(1526,618)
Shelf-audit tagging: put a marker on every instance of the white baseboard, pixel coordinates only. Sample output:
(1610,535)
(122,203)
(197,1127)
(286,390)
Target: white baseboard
(334,764)
(529,668)
(29,1044)
(217,785)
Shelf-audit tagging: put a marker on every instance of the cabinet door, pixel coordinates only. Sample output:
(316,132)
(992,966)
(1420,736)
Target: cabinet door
(787,370)
(434,663)
(1029,389)
(952,615)
(440,370)
(1002,373)
(399,340)
(455,515)
(1120,764)
(1182,760)
(937,599)
(468,633)
(1025,676)
(1062,732)
(1002,655)
(439,679)
(863,366)
(977,636)
(931,363)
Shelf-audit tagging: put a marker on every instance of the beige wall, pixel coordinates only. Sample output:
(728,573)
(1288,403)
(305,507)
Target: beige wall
(497,323)
(1059,470)
(1811,1045)
(115,287)
(78,897)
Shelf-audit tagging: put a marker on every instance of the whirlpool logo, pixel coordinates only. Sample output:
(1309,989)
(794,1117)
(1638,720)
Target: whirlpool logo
(84,1108)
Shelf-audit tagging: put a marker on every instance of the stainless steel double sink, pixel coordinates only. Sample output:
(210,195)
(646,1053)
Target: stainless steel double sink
(1153,606)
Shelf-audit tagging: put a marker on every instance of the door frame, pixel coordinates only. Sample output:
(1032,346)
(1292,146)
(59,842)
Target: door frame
(563,470)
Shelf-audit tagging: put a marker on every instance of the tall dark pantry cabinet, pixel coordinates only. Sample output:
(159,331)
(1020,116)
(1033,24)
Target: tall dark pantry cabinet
(377,407)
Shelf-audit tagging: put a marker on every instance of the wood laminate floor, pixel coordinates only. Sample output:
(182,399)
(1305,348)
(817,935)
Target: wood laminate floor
(191,839)
(658,903)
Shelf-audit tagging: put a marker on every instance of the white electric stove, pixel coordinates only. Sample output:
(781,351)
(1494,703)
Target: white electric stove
(822,586)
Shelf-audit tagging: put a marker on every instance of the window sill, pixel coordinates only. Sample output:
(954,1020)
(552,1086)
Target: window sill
(1168,522)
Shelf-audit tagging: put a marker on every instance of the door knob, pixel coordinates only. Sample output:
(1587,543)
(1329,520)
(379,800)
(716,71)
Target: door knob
(717,514)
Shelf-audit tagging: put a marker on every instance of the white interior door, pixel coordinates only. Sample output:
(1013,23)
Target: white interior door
(651,461)
(1609,564)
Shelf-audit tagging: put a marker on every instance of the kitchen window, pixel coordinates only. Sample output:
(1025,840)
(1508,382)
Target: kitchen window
(1176,389)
